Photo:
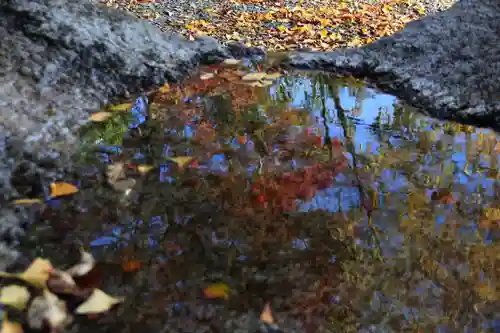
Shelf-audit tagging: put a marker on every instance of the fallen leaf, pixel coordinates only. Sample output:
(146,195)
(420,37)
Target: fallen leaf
(181,161)
(266,315)
(231,61)
(132,266)
(254,76)
(15,296)
(36,274)
(121,107)
(143,168)
(27,201)
(98,302)
(100,116)
(62,189)
(165,88)
(218,290)
(9,326)
(86,264)
(206,76)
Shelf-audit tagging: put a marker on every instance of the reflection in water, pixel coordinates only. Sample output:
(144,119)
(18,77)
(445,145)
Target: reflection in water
(335,199)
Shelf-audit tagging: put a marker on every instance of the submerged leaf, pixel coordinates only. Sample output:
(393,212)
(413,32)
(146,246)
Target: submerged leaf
(98,302)
(254,76)
(273,76)
(218,290)
(266,315)
(231,61)
(206,76)
(27,201)
(62,189)
(9,326)
(144,168)
(100,116)
(15,296)
(181,161)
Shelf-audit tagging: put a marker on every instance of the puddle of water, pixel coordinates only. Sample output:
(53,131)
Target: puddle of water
(334,201)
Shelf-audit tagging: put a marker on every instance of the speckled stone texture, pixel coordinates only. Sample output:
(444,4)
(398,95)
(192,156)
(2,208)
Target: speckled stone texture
(446,64)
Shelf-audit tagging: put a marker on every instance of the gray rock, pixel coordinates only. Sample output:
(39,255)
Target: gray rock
(61,60)
(446,64)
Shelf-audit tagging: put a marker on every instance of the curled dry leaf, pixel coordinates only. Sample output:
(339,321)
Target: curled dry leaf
(86,264)
(254,76)
(15,296)
(217,290)
(36,274)
(231,61)
(100,116)
(27,201)
(61,189)
(98,302)
(266,315)
(9,326)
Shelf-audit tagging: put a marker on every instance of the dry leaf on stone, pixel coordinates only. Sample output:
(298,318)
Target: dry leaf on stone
(254,76)
(266,315)
(98,302)
(206,76)
(9,326)
(231,61)
(15,296)
(122,107)
(86,264)
(62,189)
(100,116)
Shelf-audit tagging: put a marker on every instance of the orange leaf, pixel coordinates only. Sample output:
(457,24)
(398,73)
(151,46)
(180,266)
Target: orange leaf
(217,290)
(62,189)
(266,315)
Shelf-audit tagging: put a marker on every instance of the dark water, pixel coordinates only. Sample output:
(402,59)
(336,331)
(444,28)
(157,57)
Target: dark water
(341,206)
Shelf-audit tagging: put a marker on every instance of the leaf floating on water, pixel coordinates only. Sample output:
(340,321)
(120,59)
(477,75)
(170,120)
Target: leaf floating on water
(181,161)
(27,201)
(206,76)
(231,61)
(254,76)
(98,302)
(100,116)
(218,290)
(266,315)
(144,168)
(9,326)
(273,76)
(62,189)
(121,107)
(15,296)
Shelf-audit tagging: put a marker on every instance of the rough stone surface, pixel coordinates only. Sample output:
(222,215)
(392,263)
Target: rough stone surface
(446,64)
(63,59)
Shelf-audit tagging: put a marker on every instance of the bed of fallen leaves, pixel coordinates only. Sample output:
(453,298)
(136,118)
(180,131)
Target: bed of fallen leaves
(315,25)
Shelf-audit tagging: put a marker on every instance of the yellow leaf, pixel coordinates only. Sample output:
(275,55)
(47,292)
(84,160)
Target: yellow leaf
(100,116)
(324,33)
(26,201)
(121,107)
(98,302)
(254,76)
(181,161)
(143,168)
(37,273)
(9,326)
(165,88)
(218,290)
(266,315)
(282,28)
(15,296)
(62,189)
(231,61)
